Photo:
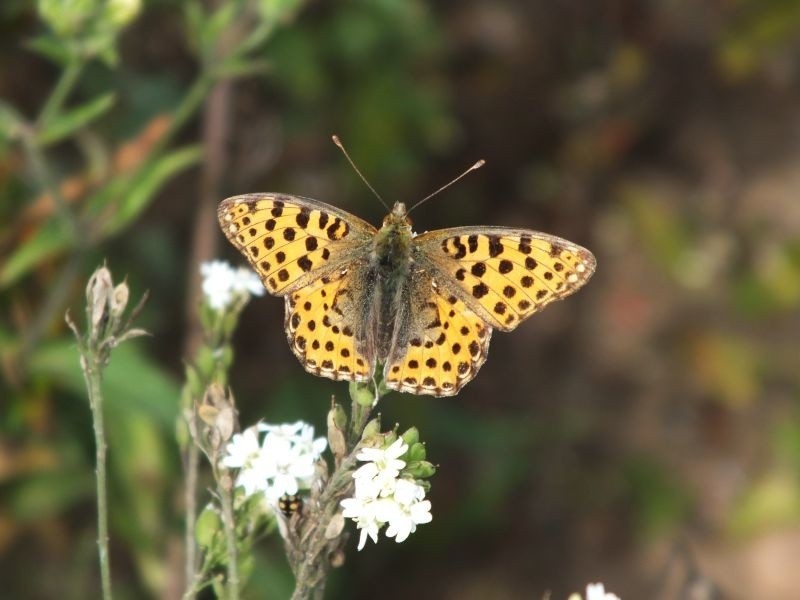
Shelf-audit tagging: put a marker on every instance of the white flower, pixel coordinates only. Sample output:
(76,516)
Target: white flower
(222,283)
(382,469)
(283,463)
(382,497)
(245,454)
(385,458)
(597,591)
(289,466)
(410,510)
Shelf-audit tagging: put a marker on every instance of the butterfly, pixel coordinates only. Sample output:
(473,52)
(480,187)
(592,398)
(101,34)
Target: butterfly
(421,308)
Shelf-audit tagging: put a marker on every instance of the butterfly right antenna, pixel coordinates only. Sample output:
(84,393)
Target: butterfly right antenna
(338,142)
(477,165)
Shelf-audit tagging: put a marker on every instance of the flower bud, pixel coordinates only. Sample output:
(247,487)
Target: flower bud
(411,436)
(205,362)
(335,526)
(98,292)
(372,429)
(122,12)
(337,421)
(416,452)
(420,469)
(207,526)
(362,393)
(119,300)
(218,414)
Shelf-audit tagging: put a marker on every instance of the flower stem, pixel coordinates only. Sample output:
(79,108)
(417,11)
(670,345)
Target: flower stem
(230,542)
(310,560)
(92,373)
(190,501)
(66,82)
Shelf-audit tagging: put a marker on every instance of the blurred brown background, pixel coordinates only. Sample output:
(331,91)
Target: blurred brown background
(644,433)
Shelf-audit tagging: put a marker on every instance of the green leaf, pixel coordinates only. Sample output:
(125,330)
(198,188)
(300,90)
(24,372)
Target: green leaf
(131,382)
(51,47)
(146,184)
(50,240)
(10,121)
(49,494)
(70,121)
(242,68)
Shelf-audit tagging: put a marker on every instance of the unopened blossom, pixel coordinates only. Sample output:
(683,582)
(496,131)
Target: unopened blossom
(222,284)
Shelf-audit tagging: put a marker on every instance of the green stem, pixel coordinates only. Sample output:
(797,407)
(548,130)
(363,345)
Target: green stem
(230,542)
(190,499)
(64,86)
(310,563)
(92,373)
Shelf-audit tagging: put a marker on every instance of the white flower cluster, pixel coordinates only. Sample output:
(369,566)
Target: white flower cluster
(281,463)
(383,497)
(595,591)
(222,283)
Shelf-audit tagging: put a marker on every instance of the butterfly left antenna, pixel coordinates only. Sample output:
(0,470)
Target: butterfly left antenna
(338,142)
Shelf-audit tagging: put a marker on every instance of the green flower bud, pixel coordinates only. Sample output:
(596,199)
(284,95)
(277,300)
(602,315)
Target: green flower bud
(338,416)
(337,421)
(419,469)
(67,17)
(362,393)
(207,526)
(416,452)
(205,362)
(372,430)
(411,436)
(120,13)
(226,357)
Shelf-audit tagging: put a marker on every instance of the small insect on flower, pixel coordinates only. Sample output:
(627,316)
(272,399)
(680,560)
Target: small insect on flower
(290,504)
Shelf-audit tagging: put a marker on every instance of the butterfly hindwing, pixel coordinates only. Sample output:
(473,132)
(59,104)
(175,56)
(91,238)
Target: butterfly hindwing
(322,328)
(291,241)
(445,343)
(506,275)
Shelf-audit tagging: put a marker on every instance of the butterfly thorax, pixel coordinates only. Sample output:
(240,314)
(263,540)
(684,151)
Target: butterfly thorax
(391,248)
(391,260)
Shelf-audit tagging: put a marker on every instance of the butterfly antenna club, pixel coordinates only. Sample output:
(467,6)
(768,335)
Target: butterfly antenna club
(338,142)
(477,165)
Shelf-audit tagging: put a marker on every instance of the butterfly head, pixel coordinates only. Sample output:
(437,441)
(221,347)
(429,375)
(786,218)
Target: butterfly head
(398,218)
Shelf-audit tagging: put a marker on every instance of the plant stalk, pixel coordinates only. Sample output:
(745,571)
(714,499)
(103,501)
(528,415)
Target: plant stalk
(64,86)
(190,501)
(230,542)
(92,374)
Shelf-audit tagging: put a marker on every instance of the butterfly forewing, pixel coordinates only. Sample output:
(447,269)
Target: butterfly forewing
(506,275)
(291,241)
